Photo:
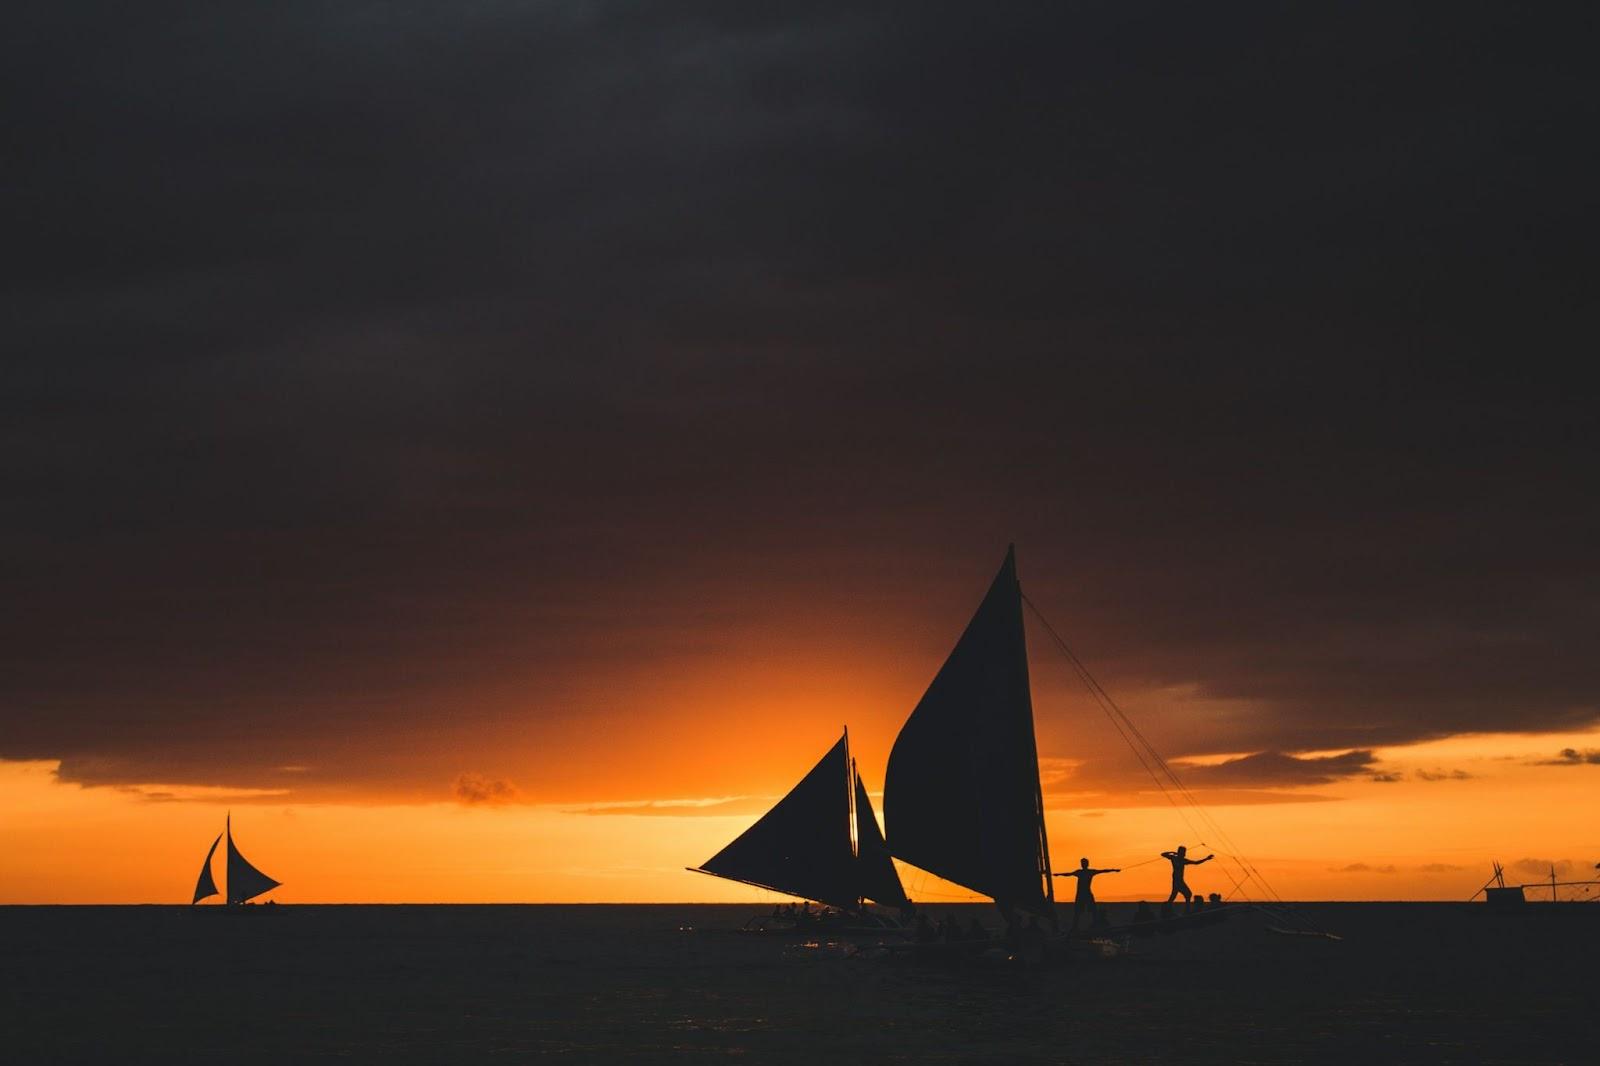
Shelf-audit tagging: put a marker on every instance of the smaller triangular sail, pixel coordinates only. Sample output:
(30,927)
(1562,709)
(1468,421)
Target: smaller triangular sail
(875,872)
(802,846)
(205,886)
(244,881)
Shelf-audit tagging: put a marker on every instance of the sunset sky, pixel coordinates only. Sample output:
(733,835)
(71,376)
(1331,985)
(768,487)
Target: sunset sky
(493,449)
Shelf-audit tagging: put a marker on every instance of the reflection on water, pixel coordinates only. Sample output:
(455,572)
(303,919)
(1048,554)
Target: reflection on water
(1415,982)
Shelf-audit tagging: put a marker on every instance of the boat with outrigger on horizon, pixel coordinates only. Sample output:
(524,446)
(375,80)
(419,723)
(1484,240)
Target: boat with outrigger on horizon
(819,844)
(1503,898)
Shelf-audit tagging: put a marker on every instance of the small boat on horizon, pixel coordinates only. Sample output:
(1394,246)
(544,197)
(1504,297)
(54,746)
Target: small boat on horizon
(1502,898)
(245,882)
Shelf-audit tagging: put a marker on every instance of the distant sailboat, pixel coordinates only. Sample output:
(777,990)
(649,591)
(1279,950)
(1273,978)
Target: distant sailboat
(245,882)
(961,795)
(820,842)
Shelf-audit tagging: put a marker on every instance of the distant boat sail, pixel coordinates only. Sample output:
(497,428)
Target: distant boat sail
(820,842)
(961,794)
(245,882)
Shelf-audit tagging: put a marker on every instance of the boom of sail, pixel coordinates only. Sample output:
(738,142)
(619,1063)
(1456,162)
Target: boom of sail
(961,794)
(820,842)
(245,882)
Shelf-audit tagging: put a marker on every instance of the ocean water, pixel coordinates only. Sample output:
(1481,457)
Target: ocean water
(425,984)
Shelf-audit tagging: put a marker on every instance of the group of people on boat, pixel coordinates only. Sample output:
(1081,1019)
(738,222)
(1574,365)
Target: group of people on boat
(798,913)
(1020,934)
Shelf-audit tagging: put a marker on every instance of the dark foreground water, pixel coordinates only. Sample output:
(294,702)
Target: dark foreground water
(1409,983)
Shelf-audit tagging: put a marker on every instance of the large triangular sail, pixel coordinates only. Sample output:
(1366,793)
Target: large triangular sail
(245,882)
(961,794)
(802,846)
(876,877)
(205,886)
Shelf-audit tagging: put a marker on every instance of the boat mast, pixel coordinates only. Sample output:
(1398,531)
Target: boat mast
(1033,742)
(850,789)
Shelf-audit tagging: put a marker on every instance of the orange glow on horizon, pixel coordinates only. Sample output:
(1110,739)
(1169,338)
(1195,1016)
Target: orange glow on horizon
(1422,837)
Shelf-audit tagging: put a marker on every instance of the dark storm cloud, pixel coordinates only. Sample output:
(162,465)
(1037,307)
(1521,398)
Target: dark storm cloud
(363,361)
(1274,768)
(1443,775)
(1253,772)
(1573,757)
(477,790)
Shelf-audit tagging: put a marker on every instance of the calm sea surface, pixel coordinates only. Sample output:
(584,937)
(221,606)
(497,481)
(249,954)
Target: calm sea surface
(414,984)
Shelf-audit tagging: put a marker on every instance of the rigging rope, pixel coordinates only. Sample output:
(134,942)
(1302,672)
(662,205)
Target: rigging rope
(1151,760)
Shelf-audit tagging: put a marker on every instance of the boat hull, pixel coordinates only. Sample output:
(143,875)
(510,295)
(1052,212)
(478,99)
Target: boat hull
(1178,924)
(845,926)
(1055,951)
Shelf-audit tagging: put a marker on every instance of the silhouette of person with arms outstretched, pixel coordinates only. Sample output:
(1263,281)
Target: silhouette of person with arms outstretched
(1084,900)
(1179,860)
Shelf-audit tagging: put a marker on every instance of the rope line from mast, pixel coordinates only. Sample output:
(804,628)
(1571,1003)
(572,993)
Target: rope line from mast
(1151,760)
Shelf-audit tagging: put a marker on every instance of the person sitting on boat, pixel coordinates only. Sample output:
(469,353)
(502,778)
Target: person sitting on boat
(1179,860)
(1084,900)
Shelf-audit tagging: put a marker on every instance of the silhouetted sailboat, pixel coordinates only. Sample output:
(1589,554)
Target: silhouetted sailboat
(245,882)
(961,796)
(820,843)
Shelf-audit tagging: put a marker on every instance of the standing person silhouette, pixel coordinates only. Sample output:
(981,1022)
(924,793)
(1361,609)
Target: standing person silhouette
(1084,900)
(1179,861)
